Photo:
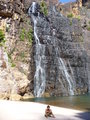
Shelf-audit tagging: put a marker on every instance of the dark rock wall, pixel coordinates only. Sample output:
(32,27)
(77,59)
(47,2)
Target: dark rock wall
(58,33)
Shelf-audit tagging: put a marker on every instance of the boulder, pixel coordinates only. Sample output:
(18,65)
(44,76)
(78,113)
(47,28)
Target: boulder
(27,97)
(15,97)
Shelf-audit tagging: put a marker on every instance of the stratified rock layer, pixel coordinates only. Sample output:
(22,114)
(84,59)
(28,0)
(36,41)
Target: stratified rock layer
(63,43)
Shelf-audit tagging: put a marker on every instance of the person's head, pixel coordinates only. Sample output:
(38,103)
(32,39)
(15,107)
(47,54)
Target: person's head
(48,107)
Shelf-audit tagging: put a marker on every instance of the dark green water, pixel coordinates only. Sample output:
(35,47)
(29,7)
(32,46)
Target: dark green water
(81,102)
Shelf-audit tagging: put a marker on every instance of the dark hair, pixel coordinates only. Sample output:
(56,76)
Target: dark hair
(48,106)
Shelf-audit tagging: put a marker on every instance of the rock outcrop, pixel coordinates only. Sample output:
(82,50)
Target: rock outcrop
(14,52)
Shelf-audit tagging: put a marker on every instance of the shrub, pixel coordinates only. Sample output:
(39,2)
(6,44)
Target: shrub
(89,22)
(13,65)
(1,44)
(22,35)
(78,17)
(30,35)
(2,35)
(70,15)
(26,35)
(44,8)
(70,22)
(88,28)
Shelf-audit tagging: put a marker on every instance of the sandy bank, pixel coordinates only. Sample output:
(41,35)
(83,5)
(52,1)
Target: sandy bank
(13,110)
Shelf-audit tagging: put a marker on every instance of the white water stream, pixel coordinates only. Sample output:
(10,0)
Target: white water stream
(40,74)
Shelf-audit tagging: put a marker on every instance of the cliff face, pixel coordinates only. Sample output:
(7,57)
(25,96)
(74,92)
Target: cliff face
(81,11)
(63,59)
(63,54)
(15,49)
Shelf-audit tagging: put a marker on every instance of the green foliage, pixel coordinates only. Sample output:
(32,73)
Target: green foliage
(11,61)
(26,35)
(44,8)
(13,65)
(78,17)
(88,28)
(30,35)
(1,44)
(89,22)
(70,22)
(22,34)
(70,15)
(2,35)
(9,58)
(22,54)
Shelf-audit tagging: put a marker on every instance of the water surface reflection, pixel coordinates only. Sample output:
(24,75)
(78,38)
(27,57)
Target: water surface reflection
(81,102)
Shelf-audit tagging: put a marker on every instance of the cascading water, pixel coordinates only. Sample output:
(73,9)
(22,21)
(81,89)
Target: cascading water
(40,57)
(67,76)
(63,69)
(40,74)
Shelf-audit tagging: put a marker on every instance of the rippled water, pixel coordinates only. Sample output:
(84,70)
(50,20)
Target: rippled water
(81,102)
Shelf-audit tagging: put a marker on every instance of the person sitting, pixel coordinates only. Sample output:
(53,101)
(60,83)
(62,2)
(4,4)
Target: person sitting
(48,112)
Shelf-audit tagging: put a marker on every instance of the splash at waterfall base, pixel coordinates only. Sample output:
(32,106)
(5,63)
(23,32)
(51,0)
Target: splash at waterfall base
(60,61)
(36,111)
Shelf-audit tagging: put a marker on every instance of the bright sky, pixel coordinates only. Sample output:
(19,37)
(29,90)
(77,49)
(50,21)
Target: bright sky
(63,1)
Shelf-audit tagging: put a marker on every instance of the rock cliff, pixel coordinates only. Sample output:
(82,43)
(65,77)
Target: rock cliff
(15,49)
(64,41)
(64,58)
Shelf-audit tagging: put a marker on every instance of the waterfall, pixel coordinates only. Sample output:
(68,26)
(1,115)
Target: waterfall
(39,56)
(40,74)
(66,74)
(63,70)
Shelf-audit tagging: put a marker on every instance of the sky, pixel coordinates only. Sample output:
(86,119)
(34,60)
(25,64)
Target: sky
(63,1)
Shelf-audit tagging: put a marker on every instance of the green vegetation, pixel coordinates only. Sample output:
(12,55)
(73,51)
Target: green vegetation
(2,38)
(22,34)
(88,28)
(70,15)
(70,22)
(30,35)
(26,35)
(11,61)
(44,7)
(78,17)
(89,22)
(22,54)
(2,35)
(13,65)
